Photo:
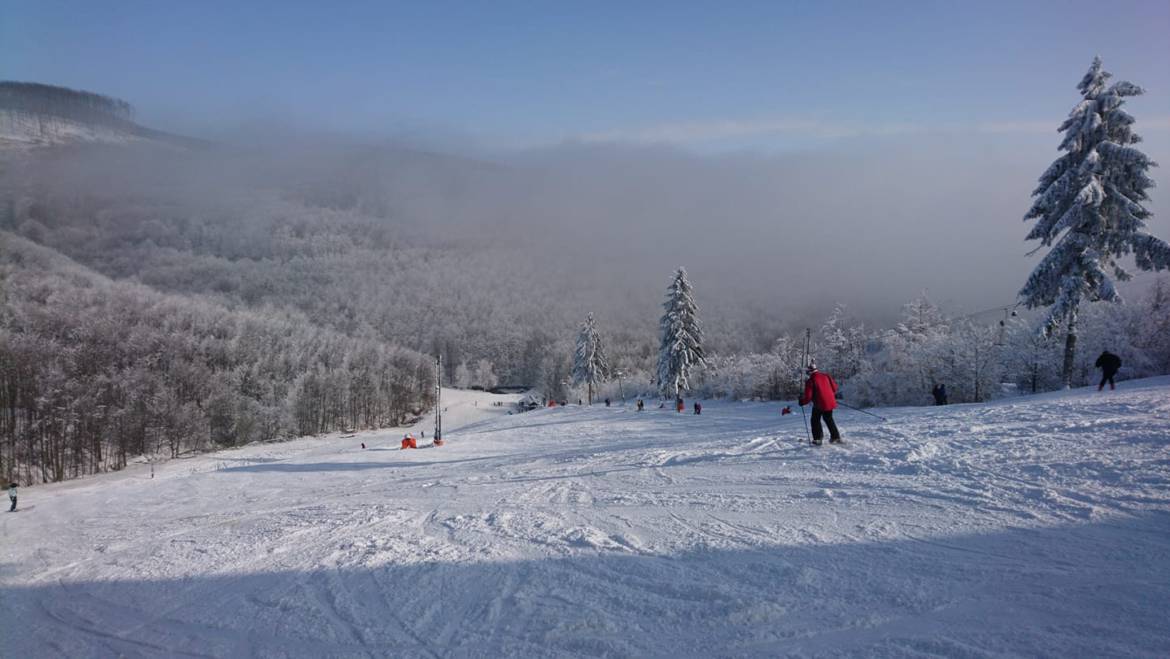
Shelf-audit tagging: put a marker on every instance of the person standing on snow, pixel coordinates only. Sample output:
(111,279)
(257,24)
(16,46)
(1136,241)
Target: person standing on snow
(821,391)
(1109,364)
(12,497)
(940,394)
(698,408)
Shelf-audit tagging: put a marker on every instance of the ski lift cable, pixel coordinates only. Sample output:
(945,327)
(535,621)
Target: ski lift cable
(1142,276)
(1004,308)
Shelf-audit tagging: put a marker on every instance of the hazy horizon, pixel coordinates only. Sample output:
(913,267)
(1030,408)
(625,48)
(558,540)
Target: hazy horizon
(789,157)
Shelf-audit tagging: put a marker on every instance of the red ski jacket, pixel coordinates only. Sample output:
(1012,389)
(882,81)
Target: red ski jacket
(821,390)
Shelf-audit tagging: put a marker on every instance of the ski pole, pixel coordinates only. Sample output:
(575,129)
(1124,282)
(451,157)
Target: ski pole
(862,411)
(807,338)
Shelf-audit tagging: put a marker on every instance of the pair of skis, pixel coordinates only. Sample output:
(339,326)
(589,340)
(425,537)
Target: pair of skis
(804,364)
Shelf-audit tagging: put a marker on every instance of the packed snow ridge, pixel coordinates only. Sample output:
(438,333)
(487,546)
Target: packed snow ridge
(1033,526)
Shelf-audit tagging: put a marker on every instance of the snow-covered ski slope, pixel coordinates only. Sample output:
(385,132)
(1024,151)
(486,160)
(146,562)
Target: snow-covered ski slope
(1036,526)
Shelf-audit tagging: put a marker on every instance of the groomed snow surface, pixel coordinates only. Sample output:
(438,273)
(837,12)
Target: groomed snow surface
(1036,526)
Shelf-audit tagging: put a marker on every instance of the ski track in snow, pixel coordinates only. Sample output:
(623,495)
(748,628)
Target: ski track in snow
(1036,526)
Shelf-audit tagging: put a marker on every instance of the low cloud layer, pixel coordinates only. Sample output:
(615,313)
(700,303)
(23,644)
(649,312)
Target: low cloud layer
(870,222)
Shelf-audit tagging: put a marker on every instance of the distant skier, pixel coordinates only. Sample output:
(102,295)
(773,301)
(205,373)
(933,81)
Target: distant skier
(940,394)
(641,405)
(678,405)
(607,402)
(12,497)
(1109,364)
(786,411)
(821,391)
(698,408)
(363,445)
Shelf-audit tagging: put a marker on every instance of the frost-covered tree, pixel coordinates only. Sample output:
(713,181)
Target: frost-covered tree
(1154,328)
(463,376)
(485,375)
(1030,358)
(975,361)
(1088,207)
(681,348)
(589,364)
(842,346)
(916,345)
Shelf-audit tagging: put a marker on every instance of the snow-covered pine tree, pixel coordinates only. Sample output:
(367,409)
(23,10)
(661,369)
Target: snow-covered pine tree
(1089,203)
(682,337)
(589,363)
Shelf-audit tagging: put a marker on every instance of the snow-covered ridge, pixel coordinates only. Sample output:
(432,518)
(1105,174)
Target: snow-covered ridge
(24,129)
(1024,527)
(38,115)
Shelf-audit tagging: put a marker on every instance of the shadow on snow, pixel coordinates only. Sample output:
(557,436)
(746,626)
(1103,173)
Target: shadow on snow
(1097,589)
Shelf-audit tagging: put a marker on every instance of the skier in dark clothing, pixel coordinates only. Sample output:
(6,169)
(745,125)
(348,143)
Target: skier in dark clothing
(641,405)
(12,497)
(1109,364)
(940,394)
(698,408)
(821,391)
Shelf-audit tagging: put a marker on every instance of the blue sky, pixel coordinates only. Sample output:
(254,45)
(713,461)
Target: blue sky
(508,74)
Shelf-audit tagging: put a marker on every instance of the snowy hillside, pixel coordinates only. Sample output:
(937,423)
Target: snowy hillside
(1027,527)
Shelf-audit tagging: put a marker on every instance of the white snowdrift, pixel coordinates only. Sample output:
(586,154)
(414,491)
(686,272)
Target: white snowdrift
(1033,526)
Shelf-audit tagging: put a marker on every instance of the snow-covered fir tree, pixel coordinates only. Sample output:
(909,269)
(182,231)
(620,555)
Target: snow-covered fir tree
(589,364)
(681,348)
(1088,207)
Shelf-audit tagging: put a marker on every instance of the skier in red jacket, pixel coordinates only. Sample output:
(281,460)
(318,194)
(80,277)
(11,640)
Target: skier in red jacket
(821,391)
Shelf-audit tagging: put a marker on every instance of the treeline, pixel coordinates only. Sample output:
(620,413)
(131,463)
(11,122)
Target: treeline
(983,358)
(978,358)
(95,372)
(36,98)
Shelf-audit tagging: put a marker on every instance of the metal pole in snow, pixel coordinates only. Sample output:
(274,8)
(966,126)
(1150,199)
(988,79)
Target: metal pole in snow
(438,398)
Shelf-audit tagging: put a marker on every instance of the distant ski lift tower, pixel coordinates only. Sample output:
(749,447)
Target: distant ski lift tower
(438,399)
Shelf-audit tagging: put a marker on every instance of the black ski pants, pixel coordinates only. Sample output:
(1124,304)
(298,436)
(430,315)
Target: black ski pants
(819,432)
(1107,376)
(13,508)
